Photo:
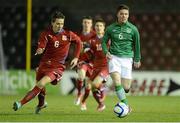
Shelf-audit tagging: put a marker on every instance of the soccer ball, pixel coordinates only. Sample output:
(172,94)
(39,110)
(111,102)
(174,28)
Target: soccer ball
(121,109)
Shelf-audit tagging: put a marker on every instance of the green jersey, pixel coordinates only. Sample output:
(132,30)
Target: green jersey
(125,41)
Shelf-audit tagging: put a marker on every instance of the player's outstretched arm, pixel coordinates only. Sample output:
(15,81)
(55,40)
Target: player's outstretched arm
(77,41)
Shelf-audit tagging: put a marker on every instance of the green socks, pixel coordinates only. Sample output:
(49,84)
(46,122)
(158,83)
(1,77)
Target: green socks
(121,94)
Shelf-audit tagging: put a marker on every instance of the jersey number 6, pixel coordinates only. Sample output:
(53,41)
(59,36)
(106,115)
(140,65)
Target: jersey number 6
(56,44)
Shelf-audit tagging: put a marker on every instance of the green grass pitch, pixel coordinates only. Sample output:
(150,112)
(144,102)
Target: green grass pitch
(62,109)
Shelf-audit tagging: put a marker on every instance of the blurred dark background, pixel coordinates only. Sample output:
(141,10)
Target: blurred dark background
(157,20)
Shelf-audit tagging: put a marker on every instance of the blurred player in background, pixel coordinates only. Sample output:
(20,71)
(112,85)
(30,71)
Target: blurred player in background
(125,45)
(100,68)
(84,68)
(54,43)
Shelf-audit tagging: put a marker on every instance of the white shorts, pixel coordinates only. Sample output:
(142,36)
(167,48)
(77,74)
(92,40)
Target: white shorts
(121,65)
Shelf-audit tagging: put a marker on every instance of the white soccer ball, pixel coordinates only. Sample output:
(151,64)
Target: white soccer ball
(121,109)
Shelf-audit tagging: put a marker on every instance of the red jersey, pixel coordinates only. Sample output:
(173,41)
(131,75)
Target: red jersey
(57,46)
(85,39)
(95,53)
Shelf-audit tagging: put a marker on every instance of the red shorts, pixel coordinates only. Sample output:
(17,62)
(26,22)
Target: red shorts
(88,67)
(47,70)
(102,72)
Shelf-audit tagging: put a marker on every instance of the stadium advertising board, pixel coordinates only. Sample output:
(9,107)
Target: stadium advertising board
(19,82)
(144,83)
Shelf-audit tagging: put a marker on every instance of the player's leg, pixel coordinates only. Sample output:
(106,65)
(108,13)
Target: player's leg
(83,70)
(31,94)
(126,84)
(115,73)
(118,87)
(41,97)
(79,84)
(103,90)
(104,73)
(55,76)
(126,73)
(86,94)
(96,86)
(42,103)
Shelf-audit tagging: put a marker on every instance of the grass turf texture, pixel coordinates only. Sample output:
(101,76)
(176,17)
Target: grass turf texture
(62,109)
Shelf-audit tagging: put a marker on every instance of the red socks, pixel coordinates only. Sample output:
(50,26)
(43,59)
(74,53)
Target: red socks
(30,95)
(103,93)
(41,97)
(79,86)
(87,91)
(97,95)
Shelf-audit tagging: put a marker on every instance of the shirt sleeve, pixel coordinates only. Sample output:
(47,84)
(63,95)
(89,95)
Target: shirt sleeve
(77,40)
(105,40)
(137,53)
(42,41)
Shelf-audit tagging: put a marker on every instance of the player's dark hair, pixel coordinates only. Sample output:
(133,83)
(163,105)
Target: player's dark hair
(57,14)
(87,17)
(100,20)
(122,6)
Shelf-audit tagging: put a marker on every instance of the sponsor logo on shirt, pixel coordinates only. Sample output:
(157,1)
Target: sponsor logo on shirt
(114,30)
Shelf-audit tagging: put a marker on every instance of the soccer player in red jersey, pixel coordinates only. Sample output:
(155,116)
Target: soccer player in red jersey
(100,69)
(54,43)
(84,68)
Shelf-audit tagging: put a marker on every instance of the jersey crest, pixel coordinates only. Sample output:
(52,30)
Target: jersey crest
(128,30)
(64,38)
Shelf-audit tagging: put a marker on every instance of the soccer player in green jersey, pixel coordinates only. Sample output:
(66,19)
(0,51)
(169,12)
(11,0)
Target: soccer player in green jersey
(124,51)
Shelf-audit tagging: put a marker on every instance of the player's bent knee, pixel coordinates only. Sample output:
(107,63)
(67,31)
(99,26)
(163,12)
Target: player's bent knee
(81,74)
(96,85)
(126,88)
(88,86)
(81,77)
(40,85)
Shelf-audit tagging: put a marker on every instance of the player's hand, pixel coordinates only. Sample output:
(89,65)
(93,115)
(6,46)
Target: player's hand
(74,63)
(39,51)
(137,64)
(108,55)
